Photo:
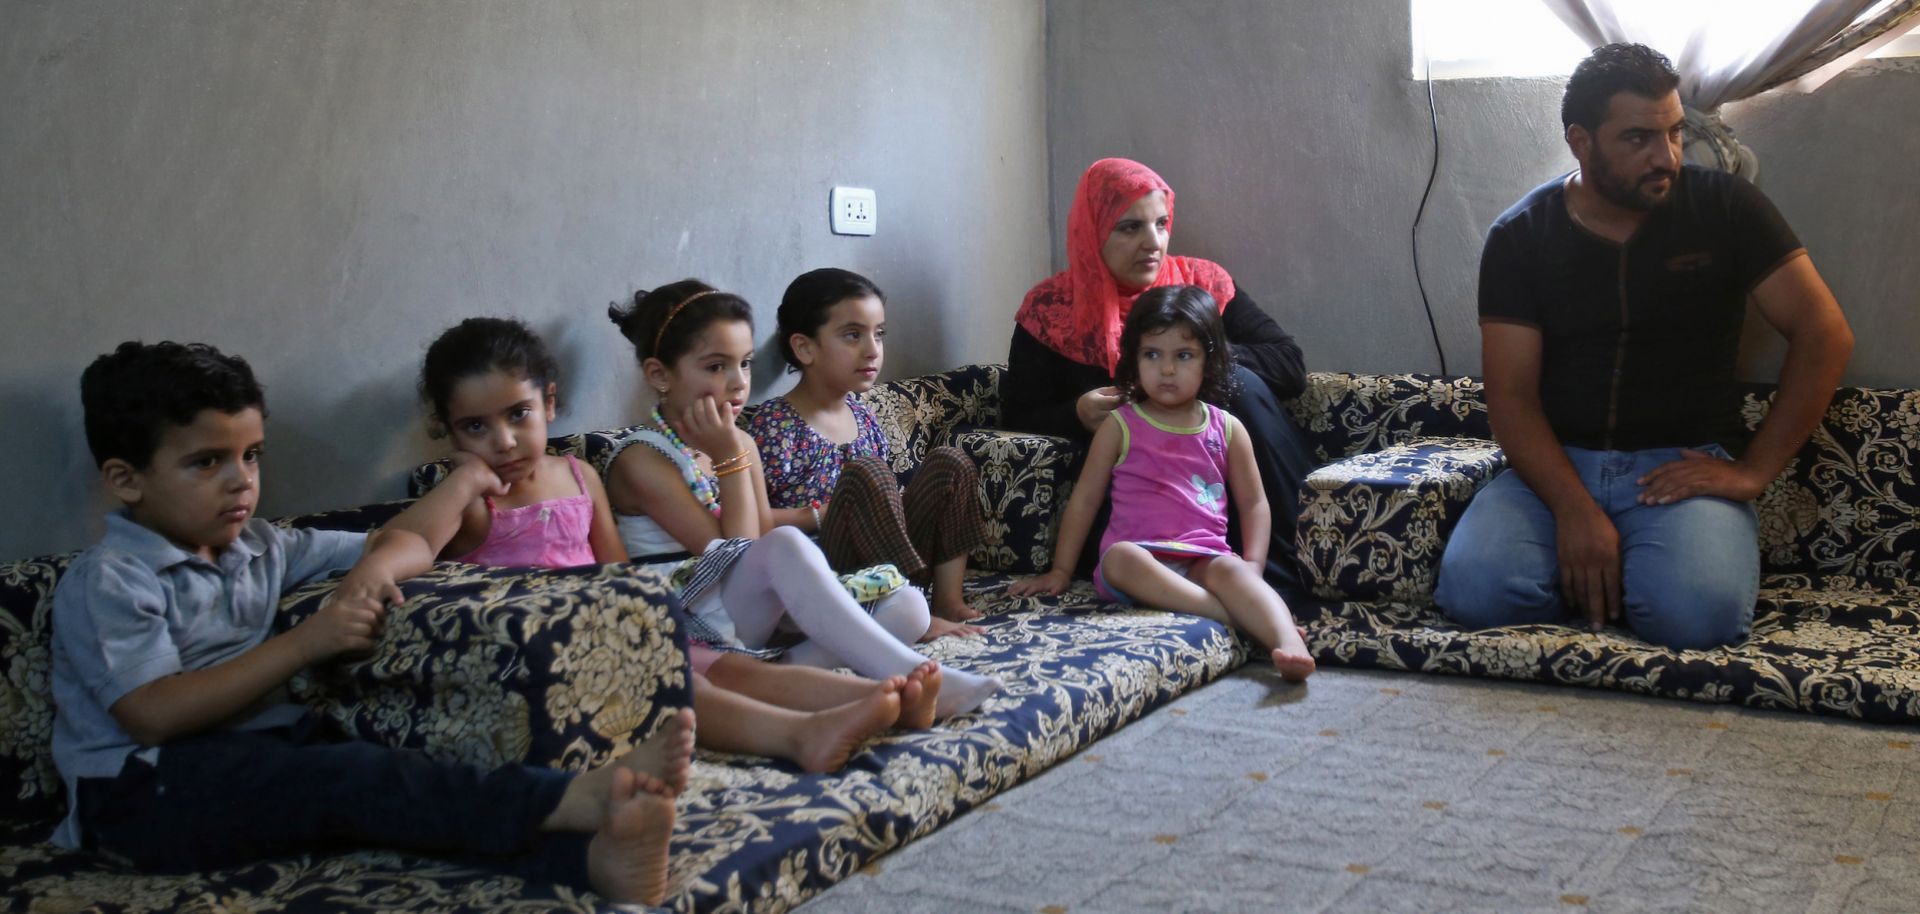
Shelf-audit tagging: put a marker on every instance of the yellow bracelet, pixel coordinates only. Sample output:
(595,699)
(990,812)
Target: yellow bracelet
(723,464)
(732,470)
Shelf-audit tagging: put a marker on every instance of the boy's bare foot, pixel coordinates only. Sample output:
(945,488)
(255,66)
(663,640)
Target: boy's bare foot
(941,628)
(627,858)
(836,732)
(919,697)
(667,754)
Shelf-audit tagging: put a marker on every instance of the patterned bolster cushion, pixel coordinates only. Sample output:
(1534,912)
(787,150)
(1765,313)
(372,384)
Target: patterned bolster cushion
(30,793)
(489,666)
(1372,526)
(1024,483)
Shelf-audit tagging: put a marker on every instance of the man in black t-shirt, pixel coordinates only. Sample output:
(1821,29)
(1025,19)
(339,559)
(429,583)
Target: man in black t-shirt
(1611,303)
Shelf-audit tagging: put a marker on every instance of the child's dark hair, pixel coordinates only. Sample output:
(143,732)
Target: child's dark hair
(665,323)
(809,297)
(130,396)
(1177,306)
(476,346)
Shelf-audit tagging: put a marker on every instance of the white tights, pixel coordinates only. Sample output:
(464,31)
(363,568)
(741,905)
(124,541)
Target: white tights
(784,574)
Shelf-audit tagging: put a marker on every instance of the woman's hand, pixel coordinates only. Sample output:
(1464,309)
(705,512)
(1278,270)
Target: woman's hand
(707,425)
(1094,405)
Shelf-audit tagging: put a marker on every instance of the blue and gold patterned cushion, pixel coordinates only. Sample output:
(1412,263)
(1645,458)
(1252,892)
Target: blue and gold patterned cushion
(490,666)
(1849,502)
(1024,480)
(1345,414)
(1819,645)
(31,797)
(1373,525)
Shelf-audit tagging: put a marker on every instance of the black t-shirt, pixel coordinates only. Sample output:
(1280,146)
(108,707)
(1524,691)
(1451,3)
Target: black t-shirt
(1638,340)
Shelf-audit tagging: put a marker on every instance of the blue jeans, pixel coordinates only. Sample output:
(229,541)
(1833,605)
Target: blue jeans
(1690,570)
(228,797)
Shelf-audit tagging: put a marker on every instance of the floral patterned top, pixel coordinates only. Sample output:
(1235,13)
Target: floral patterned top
(801,465)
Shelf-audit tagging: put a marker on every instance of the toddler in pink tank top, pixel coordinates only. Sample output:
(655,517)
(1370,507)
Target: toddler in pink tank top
(1169,461)
(490,386)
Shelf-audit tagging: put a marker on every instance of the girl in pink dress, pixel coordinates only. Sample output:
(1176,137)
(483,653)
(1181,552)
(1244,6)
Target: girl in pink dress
(1169,460)
(490,385)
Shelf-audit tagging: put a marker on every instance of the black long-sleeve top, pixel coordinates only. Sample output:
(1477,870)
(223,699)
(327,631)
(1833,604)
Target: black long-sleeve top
(1041,386)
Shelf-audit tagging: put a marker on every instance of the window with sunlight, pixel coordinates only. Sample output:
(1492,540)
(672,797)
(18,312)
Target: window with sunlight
(1478,38)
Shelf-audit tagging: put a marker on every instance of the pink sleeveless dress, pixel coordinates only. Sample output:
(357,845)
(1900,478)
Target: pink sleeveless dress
(1169,490)
(546,534)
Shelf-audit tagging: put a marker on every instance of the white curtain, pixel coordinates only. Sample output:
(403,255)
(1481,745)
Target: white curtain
(1727,50)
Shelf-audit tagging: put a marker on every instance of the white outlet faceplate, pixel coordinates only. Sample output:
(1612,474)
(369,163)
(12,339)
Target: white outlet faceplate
(854,210)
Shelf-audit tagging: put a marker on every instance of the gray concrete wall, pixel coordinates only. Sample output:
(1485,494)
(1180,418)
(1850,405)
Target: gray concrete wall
(1299,147)
(323,186)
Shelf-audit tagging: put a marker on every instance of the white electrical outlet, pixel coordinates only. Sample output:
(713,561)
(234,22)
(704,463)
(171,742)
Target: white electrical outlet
(854,210)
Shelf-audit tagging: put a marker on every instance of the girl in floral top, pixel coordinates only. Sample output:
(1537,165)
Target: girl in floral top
(826,459)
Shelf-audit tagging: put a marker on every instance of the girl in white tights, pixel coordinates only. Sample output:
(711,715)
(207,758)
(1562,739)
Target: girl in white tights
(694,488)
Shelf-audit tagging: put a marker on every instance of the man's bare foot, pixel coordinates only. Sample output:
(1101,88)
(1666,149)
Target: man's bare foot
(667,754)
(835,733)
(627,858)
(941,628)
(919,697)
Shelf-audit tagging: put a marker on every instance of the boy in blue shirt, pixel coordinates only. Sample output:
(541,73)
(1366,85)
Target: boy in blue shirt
(173,731)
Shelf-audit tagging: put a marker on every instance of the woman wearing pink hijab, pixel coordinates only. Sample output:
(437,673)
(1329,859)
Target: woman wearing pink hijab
(1067,340)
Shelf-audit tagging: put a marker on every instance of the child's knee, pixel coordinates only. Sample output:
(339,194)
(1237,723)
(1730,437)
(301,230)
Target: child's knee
(904,614)
(950,463)
(788,542)
(1228,571)
(867,472)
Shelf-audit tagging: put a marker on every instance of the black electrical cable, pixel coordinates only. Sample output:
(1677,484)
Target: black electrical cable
(1434,113)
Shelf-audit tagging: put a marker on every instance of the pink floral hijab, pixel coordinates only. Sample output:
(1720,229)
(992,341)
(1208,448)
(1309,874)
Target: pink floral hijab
(1078,312)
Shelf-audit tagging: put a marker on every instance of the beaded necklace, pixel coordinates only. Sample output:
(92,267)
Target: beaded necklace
(705,488)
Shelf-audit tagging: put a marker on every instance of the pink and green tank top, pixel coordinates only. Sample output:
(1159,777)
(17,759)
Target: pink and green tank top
(1169,488)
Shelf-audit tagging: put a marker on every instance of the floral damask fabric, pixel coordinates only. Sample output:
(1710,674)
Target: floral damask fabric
(1025,480)
(1345,414)
(30,792)
(491,666)
(1372,526)
(1840,652)
(1848,503)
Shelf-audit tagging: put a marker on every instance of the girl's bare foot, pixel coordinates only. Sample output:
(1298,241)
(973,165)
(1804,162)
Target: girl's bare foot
(1292,659)
(1292,667)
(954,610)
(919,696)
(627,858)
(667,754)
(836,732)
(941,628)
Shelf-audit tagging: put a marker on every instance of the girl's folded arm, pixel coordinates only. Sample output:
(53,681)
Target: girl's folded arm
(643,481)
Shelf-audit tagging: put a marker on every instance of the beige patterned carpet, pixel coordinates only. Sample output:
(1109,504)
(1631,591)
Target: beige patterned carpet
(1370,791)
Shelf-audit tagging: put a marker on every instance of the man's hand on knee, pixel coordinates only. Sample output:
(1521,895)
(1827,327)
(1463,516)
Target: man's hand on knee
(1589,549)
(1700,473)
